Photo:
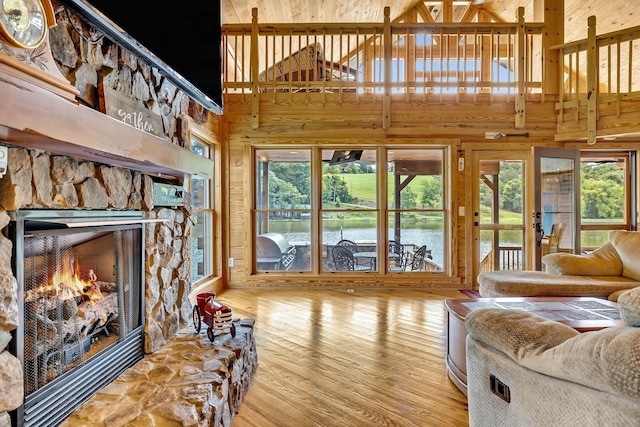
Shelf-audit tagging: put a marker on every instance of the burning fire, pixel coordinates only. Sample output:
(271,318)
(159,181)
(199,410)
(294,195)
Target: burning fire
(68,284)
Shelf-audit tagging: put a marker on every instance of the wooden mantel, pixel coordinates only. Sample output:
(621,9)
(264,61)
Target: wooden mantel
(38,112)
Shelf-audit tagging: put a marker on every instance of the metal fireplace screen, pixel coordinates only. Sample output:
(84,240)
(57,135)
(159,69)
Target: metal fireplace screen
(82,313)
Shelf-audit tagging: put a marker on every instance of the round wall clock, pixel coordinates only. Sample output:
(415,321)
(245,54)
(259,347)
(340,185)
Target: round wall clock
(23,23)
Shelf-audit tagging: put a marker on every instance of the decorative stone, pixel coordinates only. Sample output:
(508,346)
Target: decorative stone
(165,278)
(86,79)
(15,186)
(163,238)
(110,56)
(66,196)
(140,88)
(84,170)
(94,56)
(170,327)
(5,338)
(148,193)
(62,46)
(153,336)
(6,250)
(189,381)
(8,301)
(117,182)
(64,169)
(42,179)
(167,91)
(124,80)
(11,382)
(152,294)
(128,59)
(92,194)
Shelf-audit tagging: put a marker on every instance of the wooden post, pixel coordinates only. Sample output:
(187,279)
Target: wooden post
(386,102)
(553,72)
(255,99)
(592,80)
(520,68)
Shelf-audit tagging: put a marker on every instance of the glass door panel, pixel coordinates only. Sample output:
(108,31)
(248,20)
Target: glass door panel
(499,221)
(557,196)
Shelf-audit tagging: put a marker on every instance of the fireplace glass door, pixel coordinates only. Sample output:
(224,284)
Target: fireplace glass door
(82,313)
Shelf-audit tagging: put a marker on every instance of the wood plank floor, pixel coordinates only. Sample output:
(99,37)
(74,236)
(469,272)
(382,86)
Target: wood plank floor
(339,358)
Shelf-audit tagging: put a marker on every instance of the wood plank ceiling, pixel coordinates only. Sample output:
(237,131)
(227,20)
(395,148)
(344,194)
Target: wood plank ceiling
(611,15)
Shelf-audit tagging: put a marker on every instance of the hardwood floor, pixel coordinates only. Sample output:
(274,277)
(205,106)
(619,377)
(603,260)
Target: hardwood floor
(339,358)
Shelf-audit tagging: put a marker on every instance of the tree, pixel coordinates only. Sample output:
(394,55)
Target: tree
(602,191)
(511,194)
(283,194)
(431,196)
(408,199)
(601,199)
(296,174)
(334,189)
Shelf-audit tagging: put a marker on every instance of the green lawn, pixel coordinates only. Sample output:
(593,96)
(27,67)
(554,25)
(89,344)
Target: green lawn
(363,185)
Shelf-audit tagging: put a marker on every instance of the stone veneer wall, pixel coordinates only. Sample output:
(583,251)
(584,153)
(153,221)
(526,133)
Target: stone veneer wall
(89,65)
(38,180)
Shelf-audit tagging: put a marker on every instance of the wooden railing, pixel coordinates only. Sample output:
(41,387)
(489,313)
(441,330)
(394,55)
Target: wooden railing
(601,73)
(429,59)
(509,258)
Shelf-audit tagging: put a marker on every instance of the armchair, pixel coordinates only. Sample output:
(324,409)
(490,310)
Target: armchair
(524,370)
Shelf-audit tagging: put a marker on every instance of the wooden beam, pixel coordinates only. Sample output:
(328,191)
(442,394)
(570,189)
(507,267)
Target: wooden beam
(592,86)
(521,63)
(386,102)
(255,100)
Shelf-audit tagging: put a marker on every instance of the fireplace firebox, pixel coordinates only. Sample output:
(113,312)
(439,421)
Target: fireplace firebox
(80,277)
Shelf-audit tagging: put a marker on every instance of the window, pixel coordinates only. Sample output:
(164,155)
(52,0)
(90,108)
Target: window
(202,203)
(308,201)
(350,207)
(416,212)
(282,210)
(605,195)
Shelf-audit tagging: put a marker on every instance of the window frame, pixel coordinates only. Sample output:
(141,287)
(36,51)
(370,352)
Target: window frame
(318,252)
(214,226)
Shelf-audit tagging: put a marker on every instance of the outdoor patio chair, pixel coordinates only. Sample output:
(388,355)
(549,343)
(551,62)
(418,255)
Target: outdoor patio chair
(397,256)
(418,258)
(343,260)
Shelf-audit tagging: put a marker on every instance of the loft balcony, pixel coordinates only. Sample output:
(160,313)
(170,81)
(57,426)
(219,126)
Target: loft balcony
(461,62)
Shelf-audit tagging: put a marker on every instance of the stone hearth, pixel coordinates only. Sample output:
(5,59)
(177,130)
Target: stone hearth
(190,381)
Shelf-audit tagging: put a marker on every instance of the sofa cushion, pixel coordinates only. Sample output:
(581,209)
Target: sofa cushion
(604,261)
(521,283)
(629,302)
(516,333)
(627,244)
(608,359)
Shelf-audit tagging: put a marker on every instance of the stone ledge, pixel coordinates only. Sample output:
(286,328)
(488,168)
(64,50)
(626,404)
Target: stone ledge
(189,381)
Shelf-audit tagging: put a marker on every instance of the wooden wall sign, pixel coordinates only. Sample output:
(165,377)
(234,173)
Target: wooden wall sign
(130,111)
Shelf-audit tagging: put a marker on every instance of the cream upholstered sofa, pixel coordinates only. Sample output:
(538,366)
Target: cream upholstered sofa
(610,269)
(554,375)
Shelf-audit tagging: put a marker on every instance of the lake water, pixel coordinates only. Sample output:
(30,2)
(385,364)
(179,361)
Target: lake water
(433,239)
(298,232)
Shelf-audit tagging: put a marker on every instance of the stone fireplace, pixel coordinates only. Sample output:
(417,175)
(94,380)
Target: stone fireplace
(82,316)
(66,155)
(156,242)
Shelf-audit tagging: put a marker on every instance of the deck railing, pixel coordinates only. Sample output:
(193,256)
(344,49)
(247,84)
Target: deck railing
(601,70)
(509,258)
(428,59)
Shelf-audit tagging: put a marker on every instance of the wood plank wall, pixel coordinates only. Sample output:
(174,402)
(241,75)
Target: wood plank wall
(330,119)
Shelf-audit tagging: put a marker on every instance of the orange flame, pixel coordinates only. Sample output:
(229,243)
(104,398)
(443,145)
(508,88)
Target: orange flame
(67,284)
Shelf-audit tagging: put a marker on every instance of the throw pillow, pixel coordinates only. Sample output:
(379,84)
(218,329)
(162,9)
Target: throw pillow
(604,261)
(629,303)
(626,244)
